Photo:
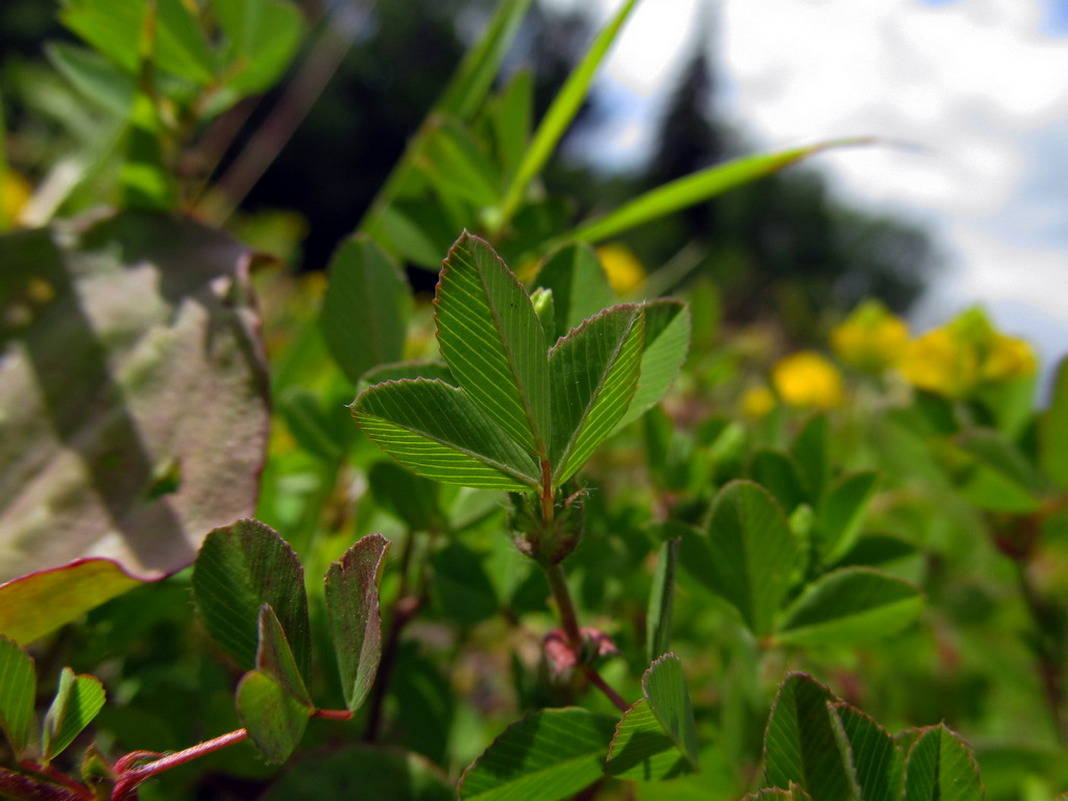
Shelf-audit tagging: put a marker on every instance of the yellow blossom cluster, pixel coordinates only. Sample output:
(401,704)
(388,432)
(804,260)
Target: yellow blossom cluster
(871,339)
(953,360)
(957,358)
(808,379)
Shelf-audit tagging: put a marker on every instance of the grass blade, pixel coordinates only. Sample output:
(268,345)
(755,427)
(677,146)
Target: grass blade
(696,188)
(564,107)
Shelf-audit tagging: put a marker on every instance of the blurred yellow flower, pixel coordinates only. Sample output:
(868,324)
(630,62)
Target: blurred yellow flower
(1008,358)
(625,273)
(808,379)
(871,338)
(942,363)
(15,191)
(955,359)
(757,402)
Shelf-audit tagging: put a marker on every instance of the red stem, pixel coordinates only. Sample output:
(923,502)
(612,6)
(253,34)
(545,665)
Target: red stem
(546,496)
(130,779)
(332,714)
(605,687)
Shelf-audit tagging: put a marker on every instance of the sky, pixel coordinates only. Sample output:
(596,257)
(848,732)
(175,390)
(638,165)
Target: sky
(968,97)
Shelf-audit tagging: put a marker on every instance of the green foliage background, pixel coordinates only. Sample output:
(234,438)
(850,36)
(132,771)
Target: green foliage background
(786,578)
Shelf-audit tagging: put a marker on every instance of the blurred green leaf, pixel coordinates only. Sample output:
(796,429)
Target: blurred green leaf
(417,232)
(78,700)
(779,474)
(510,116)
(549,754)
(408,497)
(262,38)
(876,549)
(467,89)
(578,283)
(998,476)
(117,29)
(800,744)
(850,605)
(661,601)
(310,425)
(146,181)
(1053,429)
(366,308)
(562,111)
(113,28)
(811,452)
(593,372)
(669,453)
(456,164)
(361,771)
(939,766)
(239,568)
(841,512)
(461,586)
(462,99)
(181,46)
(18,688)
(98,79)
(747,555)
(355,616)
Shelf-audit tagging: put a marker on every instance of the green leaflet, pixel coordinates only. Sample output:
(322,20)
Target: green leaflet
(512,414)
(493,343)
(438,432)
(272,701)
(355,617)
(78,700)
(552,753)
(939,766)
(594,371)
(18,686)
(850,605)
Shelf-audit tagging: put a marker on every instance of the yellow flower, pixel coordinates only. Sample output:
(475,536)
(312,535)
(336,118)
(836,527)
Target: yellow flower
(625,273)
(955,359)
(808,379)
(871,338)
(757,402)
(1008,358)
(15,193)
(941,362)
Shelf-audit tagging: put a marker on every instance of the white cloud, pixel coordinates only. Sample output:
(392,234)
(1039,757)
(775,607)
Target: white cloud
(974,90)
(959,81)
